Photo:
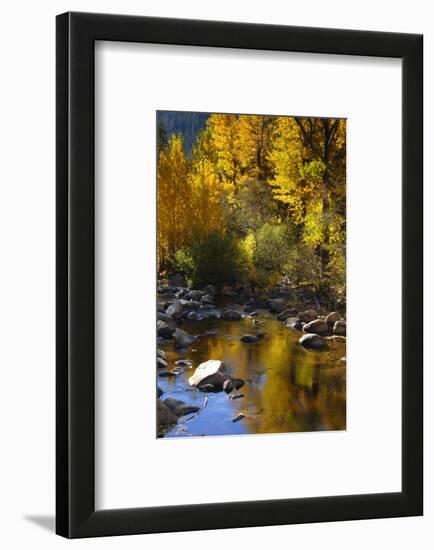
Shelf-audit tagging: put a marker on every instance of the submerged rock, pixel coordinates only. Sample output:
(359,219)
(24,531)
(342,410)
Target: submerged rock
(249,338)
(167,374)
(178,407)
(316,327)
(165,417)
(312,341)
(231,315)
(208,388)
(238,417)
(183,339)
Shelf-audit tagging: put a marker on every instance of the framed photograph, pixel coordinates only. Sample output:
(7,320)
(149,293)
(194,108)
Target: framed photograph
(239,275)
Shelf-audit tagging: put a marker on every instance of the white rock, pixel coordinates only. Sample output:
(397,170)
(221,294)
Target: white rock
(212,372)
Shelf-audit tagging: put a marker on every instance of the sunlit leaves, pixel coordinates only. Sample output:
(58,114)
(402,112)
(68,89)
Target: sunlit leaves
(274,184)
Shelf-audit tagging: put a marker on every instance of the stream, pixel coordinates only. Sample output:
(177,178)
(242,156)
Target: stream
(287,389)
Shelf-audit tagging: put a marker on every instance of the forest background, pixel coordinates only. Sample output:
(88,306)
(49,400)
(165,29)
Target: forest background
(251,199)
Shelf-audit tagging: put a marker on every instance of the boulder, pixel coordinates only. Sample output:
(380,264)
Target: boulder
(162,363)
(162,354)
(178,407)
(165,417)
(164,330)
(340,328)
(212,372)
(286,314)
(181,292)
(168,319)
(231,315)
(159,391)
(295,323)
(195,295)
(211,290)
(312,341)
(197,315)
(207,299)
(238,417)
(161,306)
(316,327)
(249,338)
(189,304)
(175,310)
(332,318)
(277,305)
(177,279)
(228,385)
(183,339)
(307,316)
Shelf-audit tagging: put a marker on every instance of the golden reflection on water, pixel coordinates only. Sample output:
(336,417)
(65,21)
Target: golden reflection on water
(288,389)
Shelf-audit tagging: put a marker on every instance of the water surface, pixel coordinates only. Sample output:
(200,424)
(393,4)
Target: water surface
(288,388)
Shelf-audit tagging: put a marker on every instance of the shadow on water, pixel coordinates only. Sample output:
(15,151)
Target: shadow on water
(288,389)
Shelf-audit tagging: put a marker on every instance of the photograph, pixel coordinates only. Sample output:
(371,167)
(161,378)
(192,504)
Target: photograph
(251,274)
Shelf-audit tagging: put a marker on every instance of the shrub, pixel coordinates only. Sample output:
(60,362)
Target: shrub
(273,245)
(183,262)
(216,259)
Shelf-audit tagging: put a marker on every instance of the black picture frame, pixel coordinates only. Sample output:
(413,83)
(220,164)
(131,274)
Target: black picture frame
(75,296)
